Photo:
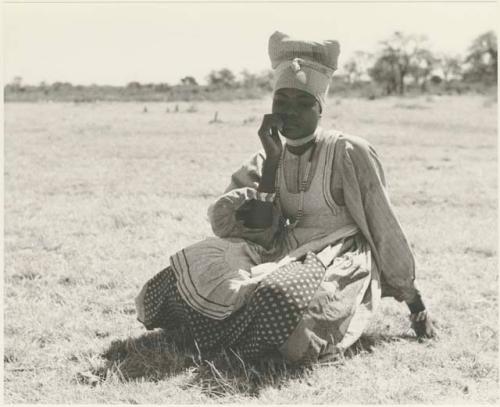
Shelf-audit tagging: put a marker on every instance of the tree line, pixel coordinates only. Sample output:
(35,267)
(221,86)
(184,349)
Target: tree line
(403,63)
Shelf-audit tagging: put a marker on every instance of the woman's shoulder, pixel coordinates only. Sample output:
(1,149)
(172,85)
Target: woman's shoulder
(354,154)
(347,143)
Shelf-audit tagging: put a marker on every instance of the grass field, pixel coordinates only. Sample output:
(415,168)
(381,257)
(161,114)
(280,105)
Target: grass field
(97,196)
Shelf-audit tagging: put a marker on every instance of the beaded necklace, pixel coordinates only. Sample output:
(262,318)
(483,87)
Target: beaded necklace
(302,188)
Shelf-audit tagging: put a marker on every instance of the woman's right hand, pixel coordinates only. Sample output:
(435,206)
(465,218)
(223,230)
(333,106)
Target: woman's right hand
(423,325)
(269,136)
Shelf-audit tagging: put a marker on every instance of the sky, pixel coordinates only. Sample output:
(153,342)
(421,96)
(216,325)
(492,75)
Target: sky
(104,43)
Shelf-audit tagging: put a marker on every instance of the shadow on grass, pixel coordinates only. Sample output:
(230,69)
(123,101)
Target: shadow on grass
(152,356)
(368,342)
(159,355)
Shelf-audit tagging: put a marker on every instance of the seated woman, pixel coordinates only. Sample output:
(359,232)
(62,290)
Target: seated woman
(306,243)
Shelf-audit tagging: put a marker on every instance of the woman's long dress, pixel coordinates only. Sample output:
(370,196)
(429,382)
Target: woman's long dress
(268,289)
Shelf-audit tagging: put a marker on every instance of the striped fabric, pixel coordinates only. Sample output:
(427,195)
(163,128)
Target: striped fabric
(213,275)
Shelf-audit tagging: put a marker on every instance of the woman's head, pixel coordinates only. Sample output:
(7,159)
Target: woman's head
(300,111)
(303,70)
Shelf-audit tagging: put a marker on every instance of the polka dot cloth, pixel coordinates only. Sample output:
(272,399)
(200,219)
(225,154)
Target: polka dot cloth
(162,302)
(264,324)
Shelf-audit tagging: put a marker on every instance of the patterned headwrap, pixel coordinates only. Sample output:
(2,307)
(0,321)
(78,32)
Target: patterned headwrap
(304,65)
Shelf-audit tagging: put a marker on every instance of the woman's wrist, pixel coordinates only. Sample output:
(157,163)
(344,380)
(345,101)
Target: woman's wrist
(265,196)
(270,165)
(272,159)
(416,305)
(268,176)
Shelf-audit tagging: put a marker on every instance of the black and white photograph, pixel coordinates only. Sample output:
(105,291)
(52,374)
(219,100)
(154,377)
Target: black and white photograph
(250,202)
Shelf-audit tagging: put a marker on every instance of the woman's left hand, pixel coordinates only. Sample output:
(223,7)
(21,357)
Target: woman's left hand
(422,325)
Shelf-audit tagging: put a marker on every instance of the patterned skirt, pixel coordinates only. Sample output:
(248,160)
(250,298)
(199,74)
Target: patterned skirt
(300,310)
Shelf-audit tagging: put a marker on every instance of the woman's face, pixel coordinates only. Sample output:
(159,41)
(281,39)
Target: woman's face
(300,111)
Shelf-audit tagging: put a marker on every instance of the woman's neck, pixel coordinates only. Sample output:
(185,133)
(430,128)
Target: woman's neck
(298,150)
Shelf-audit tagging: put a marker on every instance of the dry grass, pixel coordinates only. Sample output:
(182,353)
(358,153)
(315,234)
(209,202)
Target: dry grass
(98,195)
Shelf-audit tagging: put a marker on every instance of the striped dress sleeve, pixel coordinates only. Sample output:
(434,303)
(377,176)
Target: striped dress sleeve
(365,194)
